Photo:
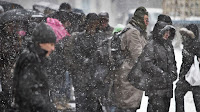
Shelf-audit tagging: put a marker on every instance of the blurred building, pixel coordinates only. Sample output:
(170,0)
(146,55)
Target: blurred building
(96,6)
(118,9)
(181,8)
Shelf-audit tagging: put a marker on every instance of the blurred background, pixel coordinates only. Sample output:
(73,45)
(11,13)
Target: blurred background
(182,12)
(120,11)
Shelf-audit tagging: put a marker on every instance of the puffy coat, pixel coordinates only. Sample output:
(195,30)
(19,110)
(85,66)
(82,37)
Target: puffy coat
(158,63)
(57,66)
(85,47)
(108,31)
(31,89)
(188,53)
(190,48)
(124,94)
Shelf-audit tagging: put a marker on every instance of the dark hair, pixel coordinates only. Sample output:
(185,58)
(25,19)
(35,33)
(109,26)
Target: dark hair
(91,17)
(157,28)
(65,7)
(65,16)
(168,20)
(165,18)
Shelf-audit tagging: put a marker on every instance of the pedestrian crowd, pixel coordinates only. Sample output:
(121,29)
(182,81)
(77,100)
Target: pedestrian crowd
(42,59)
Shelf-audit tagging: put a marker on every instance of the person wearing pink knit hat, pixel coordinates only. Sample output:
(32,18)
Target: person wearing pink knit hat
(58,28)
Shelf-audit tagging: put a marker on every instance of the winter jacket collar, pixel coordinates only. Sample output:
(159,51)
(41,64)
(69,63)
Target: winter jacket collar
(36,49)
(140,26)
(137,27)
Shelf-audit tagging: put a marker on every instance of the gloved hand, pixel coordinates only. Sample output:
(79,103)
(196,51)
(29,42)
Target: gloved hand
(165,77)
(86,60)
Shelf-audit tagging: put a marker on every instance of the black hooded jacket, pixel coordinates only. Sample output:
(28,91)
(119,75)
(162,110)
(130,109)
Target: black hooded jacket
(88,62)
(191,48)
(31,90)
(158,61)
(83,52)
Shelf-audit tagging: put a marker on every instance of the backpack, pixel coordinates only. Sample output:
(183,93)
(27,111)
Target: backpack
(117,55)
(137,78)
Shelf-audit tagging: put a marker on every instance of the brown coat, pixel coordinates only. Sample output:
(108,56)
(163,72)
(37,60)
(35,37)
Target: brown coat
(125,95)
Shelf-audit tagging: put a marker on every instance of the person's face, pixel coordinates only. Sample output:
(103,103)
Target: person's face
(48,47)
(166,35)
(93,26)
(146,20)
(104,23)
(15,28)
(67,24)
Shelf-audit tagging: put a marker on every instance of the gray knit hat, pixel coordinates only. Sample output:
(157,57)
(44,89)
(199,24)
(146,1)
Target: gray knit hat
(43,33)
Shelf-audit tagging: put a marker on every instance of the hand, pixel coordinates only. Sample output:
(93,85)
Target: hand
(86,61)
(165,77)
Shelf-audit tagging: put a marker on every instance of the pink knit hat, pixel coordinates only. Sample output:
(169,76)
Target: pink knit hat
(58,28)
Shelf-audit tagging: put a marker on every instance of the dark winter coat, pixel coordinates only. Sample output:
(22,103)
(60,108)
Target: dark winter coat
(67,47)
(57,66)
(191,46)
(101,58)
(158,63)
(31,89)
(85,58)
(188,53)
(108,31)
(10,49)
(84,48)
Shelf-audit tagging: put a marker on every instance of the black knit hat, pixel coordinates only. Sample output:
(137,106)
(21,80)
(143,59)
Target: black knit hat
(43,33)
(65,7)
(165,18)
(160,28)
(168,20)
(63,16)
(91,17)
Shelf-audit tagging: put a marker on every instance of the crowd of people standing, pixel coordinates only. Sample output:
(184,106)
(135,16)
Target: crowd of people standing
(39,62)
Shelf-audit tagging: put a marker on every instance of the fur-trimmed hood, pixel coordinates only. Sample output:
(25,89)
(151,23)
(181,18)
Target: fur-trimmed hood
(159,30)
(185,31)
(190,31)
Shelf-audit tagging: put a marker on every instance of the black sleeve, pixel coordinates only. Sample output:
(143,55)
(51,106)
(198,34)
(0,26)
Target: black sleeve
(148,61)
(172,66)
(32,91)
(187,61)
(78,52)
(196,48)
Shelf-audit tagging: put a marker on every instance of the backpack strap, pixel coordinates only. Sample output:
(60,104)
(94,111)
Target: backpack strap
(123,31)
